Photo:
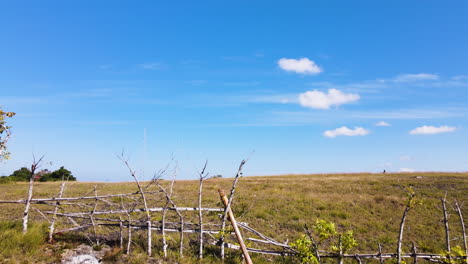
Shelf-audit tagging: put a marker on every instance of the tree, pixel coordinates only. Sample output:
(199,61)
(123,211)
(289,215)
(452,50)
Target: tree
(22,174)
(44,175)
(57,175)
(5,134)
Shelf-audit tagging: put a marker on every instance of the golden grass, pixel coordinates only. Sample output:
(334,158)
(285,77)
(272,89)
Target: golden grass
(369,204)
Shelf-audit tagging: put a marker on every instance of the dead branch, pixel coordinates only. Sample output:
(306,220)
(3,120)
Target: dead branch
(157,209)
(44,200)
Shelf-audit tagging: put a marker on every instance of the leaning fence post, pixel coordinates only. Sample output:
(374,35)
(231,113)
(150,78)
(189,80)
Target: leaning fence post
(462,223)
(121,233)
(54,216)
(224,199)
(340,247)
(415,257)
(200,215)
(380,254)
(409,205)
(446,225)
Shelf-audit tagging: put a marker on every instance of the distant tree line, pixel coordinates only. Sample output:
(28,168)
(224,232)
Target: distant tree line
(45,175)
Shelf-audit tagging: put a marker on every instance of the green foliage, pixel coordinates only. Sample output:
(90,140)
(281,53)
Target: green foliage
(455,256)
(304,246)
(326,232)
(347,242)
(22,174)
(324,229)
(4,134)
(411,200)
(58,175)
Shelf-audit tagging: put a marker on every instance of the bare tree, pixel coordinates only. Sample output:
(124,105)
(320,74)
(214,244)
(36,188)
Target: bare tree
(143,197)
(35,165)
(169,199)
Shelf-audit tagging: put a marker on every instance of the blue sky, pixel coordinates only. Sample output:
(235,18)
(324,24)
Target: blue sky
(297,86)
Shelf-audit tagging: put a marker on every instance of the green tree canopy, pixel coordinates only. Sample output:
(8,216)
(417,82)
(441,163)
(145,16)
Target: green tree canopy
(4,134)
(22,174)
(45,175)
(58,175)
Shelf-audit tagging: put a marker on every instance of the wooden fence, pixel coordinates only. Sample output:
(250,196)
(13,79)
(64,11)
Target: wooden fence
(101,216)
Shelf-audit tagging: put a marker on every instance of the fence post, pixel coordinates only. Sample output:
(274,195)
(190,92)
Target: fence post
(234,225)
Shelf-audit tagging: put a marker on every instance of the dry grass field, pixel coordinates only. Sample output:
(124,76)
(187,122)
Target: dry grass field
(279,206)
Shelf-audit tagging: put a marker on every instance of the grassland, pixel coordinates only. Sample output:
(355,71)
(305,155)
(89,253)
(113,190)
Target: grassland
(369,204)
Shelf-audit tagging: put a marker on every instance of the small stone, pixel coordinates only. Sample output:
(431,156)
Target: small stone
(81,259)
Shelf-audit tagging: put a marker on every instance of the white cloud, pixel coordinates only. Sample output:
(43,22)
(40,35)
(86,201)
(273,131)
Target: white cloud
(406,158)
(416,77)
(383,124)
(321,100)
(345,131)
(407,170)
(302,65)
(429,130)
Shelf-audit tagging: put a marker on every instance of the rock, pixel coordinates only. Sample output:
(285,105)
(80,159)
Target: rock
(81,259)
(84,254)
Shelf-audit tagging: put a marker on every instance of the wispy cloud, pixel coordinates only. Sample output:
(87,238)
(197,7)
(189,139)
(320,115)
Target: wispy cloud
(416,77)
(406,158)
(305,118)
(105,122)
(105,66)
(197,82)
(152,66)
(460,77)
(345,131)
(410,113)
(407,170)
(382,124)
(320,100)
(249,83)
(431,130)
(302,66)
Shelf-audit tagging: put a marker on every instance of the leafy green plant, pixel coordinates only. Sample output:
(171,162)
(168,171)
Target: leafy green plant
(454,256)
(304,247)
(324,229)
(4,134)
(307,247)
